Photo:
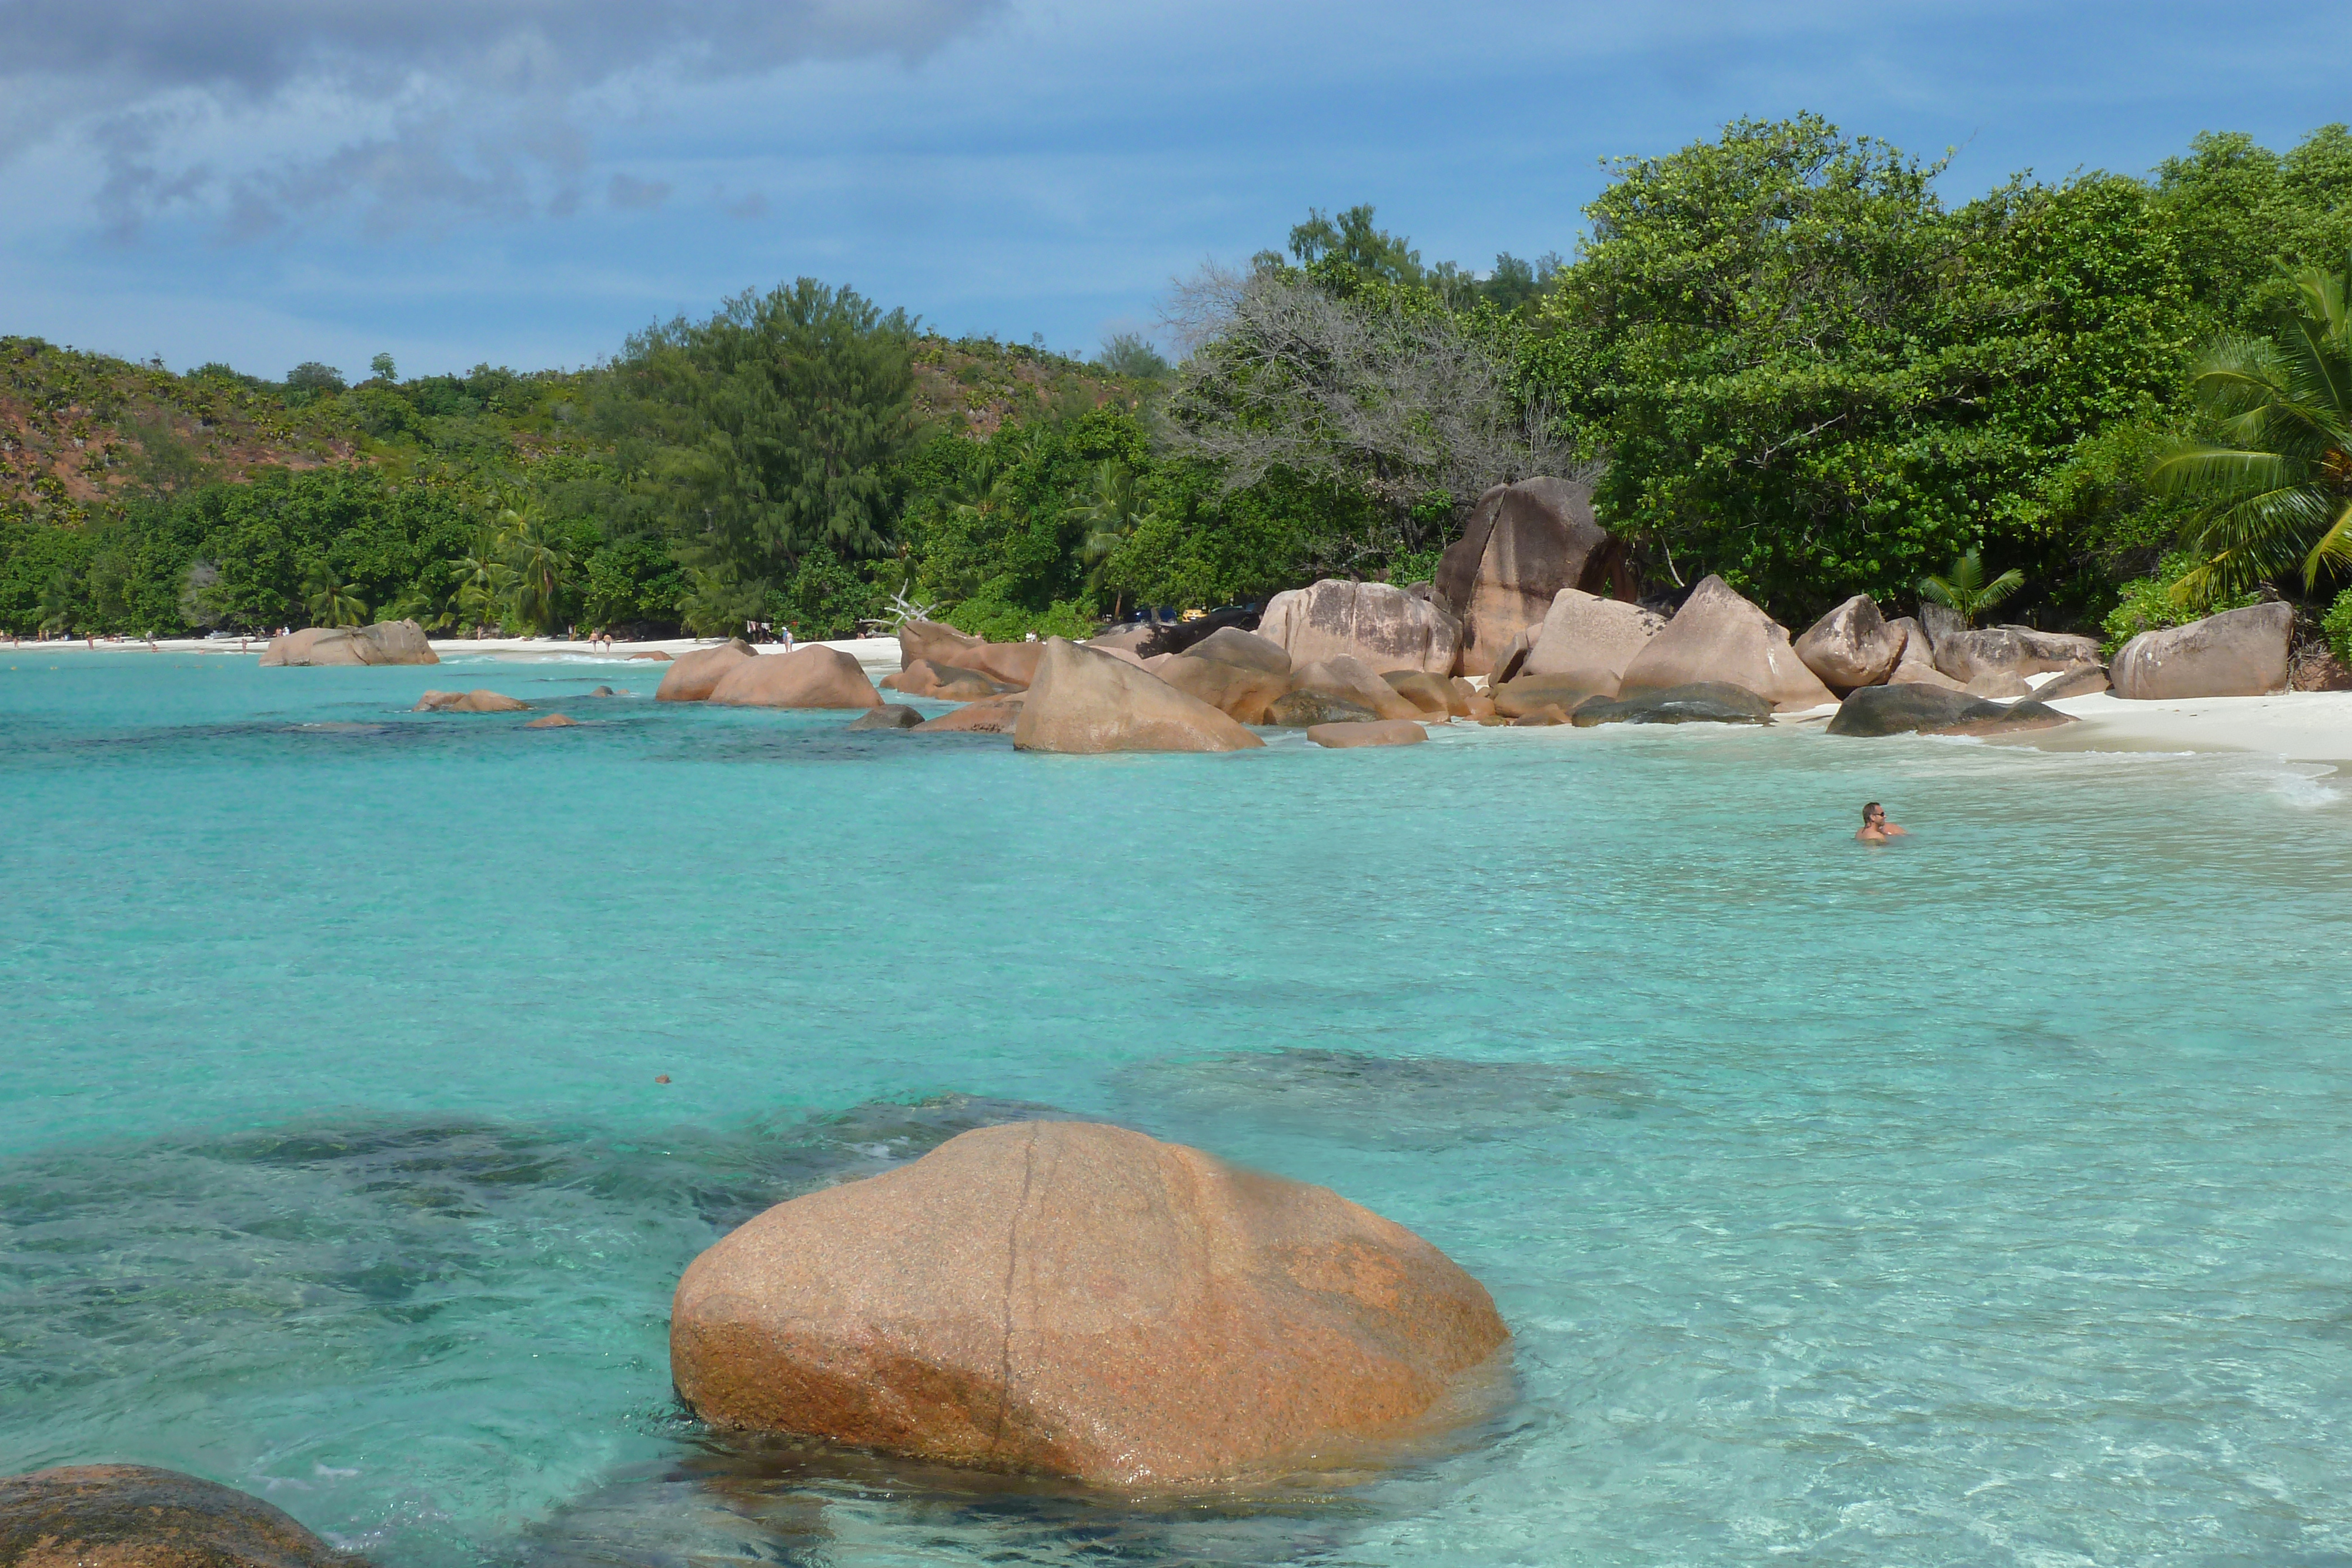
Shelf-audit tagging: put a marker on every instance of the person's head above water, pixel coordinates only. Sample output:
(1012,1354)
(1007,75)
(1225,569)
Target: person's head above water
(1873,813)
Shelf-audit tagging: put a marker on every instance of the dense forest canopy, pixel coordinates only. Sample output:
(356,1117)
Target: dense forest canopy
(1780,354)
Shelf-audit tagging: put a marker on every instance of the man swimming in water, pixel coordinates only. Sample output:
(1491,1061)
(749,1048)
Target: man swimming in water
(1876,828)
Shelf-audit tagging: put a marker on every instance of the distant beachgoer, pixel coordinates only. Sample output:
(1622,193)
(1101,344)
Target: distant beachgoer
(1876,828)
(788,639)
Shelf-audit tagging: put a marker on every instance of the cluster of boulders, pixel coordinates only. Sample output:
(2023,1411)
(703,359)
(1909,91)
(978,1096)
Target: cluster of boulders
(736,675)
(386,642)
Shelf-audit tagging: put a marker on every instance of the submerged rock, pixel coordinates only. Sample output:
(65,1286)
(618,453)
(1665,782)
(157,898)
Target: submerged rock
(1379,732)
(1076,1299)
(2237,653)
(890,715)
(693,676)
(132,1516)
(1702,702)
(386,642)
(1085,701)
(810,677)
(997,715)
(481,699)
(553,721)
(606,692)
(1719,636)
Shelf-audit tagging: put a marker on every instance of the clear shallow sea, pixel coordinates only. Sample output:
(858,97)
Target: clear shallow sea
(1980,1200)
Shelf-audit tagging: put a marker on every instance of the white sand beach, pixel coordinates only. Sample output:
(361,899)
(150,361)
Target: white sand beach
(871,653)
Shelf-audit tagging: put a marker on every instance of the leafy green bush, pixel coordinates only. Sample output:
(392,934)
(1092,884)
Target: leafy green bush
(986,615)
(2337,626)
(2148,605)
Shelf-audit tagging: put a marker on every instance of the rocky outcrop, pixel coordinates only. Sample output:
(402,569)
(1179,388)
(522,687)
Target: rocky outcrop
(2018,651)
(1911,708)
(1851,646)
(1425,692)
(2237,653)
(1719,636)
(1705,702)
(1583,638)
(2080,681)
(811,675)
(1009,663)
(1352,680)
(997,715)
(656,656)
(1297,710)
(1232,645)
(1915,665)
(1385,627)
(1086,702)
(1379,732)
(691,677)
(386,642)
(481,699)
(946,682)
(1075,1300)
(1237,691)
(1514,699)
(1522,545)
(130,1516)
(890,715)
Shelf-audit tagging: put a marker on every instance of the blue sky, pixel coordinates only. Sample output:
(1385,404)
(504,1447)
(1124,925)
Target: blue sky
(266,181)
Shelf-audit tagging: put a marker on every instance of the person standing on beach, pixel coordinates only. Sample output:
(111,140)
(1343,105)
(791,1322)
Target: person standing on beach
(1876,828)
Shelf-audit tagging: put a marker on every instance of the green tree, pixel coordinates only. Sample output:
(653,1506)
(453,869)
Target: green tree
(2273,487)
(485,582)
(58,604)
(331,599)
(1962,588)
(540,565)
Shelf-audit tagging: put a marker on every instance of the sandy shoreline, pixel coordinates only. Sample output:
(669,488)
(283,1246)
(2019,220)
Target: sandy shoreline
(2300,726)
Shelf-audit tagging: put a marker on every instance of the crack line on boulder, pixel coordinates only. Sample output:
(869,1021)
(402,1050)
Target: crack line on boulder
(1012,1267)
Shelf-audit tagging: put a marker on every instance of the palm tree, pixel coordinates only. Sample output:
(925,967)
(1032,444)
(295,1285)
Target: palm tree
(332,602)
(539,563)
(484,579)
(1112,514)
(2275,489)
(1964,591)
(56,603)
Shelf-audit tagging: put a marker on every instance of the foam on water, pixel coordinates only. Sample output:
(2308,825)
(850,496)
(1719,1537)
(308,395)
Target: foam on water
(1976,1200)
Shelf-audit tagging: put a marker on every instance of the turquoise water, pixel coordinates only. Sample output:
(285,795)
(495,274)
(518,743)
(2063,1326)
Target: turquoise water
(1977,1201)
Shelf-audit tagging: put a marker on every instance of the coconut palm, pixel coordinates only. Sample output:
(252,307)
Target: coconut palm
(538,561)
(2274,490)
(484,580)
(56,607)
(1112,513)
(331,601)
(1963,590)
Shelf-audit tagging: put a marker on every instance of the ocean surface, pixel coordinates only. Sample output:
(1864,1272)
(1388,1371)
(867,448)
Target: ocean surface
(1980,1200)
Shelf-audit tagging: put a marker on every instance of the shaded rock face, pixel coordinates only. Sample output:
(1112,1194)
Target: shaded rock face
(947,682)
(890,715)
(1086,702)
(1583,638)
(1514,659)
(2017,651)
(997,715)
(1851,646)
(481,699)
(1232,645)
(1911,708)
(386,642)
(1938,622)
(1998,684)
(129,1516)
(1703,702)
(1075,1300)
(1298,709)
(1523,544)
(1384,626)
(1426,692)
(1379,732)
(2080,681)
(1915,663)
(1719,636)
(2237,653)
(1515,700)
(1352,680)
(1237,691)
(812,675)
(691,677)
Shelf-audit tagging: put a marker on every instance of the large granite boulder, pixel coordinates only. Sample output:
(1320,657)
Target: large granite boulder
(1851,646)
(1084,701)
(1915,665)
(946,682)
(1009,663)
(2017,651)
(1523,543)
(2237,653)
(1232,645)
(481,699)
(1587,640)
(1352,680)
(2079,681)
(1076,1299)
(811,675)
(1304,710)
(691,677)
(386,642)
(132,1516)
(1425,692)
(1379,732)
(1237,691)
(1910,708)
(1706,702)
(1719,636)
(1384,626)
